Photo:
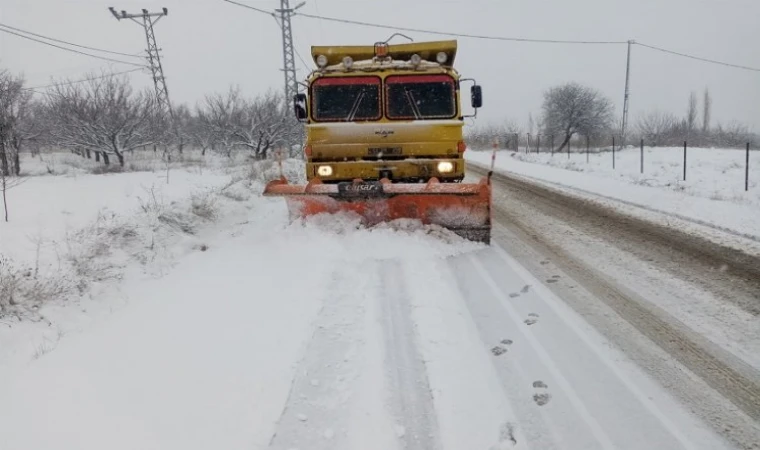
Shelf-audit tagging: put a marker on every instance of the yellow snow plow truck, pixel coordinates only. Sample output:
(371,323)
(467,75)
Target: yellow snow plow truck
(384,139)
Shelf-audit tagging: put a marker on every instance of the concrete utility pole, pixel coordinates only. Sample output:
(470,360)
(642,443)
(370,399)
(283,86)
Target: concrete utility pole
(148,21)
(627,91)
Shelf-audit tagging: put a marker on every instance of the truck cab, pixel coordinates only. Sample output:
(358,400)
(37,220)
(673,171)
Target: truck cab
(385,111)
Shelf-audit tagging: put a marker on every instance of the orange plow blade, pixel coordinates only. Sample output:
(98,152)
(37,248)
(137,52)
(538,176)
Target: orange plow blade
(465,209)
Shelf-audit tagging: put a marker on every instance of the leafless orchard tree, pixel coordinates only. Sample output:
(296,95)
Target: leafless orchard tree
(232,122)
(15,123)
(262,124)
(8,182)
(215,119)
(103,115)
(572,109)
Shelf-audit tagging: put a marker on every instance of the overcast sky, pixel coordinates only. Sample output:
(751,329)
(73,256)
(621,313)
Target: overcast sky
(209,45)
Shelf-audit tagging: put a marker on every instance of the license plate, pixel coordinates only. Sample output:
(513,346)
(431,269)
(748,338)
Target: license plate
(384,151)
(360,190)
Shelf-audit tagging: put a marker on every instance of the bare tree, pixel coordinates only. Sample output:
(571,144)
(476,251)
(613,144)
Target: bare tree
(103,115)
(573,109)
(732,135)
(215,117)
(256,125)
(505,134)
(7,182)
(656,127)
(261,124)
(707,112)
(198,131)
(691,113)
(14,112)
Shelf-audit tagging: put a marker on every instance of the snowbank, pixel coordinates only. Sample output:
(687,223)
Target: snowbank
(713,194)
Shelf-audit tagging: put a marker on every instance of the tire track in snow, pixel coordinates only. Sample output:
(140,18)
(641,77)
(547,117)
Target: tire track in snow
(473,409)
(315,415)
(412,399)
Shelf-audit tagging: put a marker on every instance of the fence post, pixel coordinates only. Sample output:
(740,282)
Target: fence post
(588,144)
(613,152)
(552,145)
(527,143)
(684,160)
(538,144)
(746,171)
(642,155)
(568,147)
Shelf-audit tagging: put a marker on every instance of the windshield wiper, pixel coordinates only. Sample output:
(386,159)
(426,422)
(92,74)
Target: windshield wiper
(412,103)
(355,107)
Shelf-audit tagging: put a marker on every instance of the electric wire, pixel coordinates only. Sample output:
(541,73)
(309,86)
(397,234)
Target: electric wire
(451,33)
(698,58)
(67,83)
(67,43)
(72,50)
(504,38)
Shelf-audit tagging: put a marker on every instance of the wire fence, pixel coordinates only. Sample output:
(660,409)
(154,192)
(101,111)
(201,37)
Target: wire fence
(618,153)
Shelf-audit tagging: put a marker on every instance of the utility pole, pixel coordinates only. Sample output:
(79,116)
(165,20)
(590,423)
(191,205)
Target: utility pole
(148,21)
(282,16)
(288,59)
(627,91)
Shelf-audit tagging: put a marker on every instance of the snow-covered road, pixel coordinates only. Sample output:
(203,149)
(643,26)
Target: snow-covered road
(327,336)
(314,339)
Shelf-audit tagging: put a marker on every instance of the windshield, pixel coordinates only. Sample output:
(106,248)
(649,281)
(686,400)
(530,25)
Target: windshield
(346,99)
(420,97)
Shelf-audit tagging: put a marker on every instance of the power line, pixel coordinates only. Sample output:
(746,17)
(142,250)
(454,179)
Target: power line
(71,50)
(269,13)
(449,33)
(67,43)
(81,81)
(516,39)
(659,49)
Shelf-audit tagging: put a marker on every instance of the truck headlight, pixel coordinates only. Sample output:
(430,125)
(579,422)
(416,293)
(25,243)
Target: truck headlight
(445,167)
(324,171)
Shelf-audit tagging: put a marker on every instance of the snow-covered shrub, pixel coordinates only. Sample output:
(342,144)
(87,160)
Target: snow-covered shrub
(89,250)
(204,205)
(23,290)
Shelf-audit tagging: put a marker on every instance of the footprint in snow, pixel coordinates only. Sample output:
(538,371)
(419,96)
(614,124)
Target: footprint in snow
(532,319)
(525,289)
(498,350)
(501,349)
(541,397)
(514,295)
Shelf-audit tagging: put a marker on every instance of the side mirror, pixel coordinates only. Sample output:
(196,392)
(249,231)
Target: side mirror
(476,96)
(299,105)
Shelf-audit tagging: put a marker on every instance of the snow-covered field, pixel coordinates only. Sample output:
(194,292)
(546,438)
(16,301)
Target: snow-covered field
(216,323)
(713,194)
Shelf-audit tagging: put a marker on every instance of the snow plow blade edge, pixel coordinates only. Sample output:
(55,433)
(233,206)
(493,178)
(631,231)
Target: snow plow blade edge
(465,209)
